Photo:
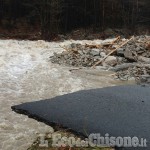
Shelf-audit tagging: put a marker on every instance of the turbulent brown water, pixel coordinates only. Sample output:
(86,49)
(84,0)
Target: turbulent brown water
(26,74)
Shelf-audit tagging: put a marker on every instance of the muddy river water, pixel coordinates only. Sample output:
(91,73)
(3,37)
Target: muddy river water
(26,75)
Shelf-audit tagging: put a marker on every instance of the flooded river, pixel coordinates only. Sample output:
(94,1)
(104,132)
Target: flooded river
(26,75)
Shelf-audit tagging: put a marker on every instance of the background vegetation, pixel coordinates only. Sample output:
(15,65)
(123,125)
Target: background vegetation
(61,16)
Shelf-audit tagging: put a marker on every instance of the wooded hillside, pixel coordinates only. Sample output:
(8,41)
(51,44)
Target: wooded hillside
(56,16)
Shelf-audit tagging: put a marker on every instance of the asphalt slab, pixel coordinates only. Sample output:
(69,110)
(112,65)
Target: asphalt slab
(121,111)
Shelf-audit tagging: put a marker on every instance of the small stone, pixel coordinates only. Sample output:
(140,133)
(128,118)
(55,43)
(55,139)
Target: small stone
(129,55)
(95,52)
(102,54)
(80,52)
(97,58)
(64,53)
(138,49)
(131,79)
(120,52)
(120,59)
(66,56)
(111,61)
(85,51)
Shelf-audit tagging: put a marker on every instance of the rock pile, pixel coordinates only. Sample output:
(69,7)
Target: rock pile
(80,56)
(134,52)
(139,72)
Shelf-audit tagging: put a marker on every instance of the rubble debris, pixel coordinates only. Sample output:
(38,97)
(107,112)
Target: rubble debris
(139,72)
(99,62)
(120,55)
(79,56)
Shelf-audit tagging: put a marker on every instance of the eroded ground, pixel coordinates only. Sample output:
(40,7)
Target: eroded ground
(26,74)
